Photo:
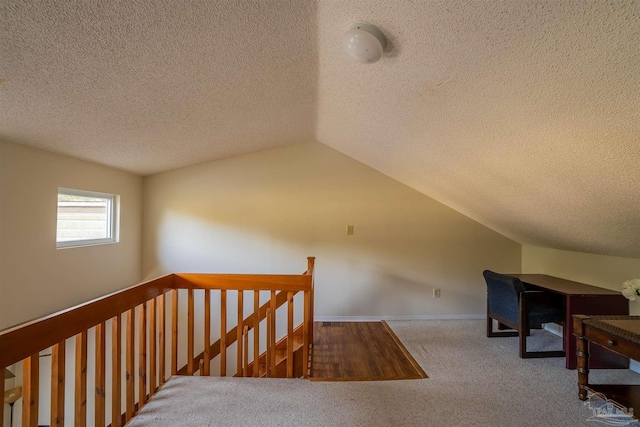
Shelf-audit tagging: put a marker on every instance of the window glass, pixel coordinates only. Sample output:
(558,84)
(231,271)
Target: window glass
(85,218)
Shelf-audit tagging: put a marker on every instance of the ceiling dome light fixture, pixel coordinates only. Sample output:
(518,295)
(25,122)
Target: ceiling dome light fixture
(364,43)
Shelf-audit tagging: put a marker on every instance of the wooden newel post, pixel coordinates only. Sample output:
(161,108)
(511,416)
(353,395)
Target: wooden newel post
(309,363)
(582,352)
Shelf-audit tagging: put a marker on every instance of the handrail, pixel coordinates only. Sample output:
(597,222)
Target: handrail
(23,340)
(243,282)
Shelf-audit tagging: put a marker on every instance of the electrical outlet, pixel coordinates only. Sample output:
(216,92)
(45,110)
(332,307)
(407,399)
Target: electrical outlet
(436,293)
(349,230)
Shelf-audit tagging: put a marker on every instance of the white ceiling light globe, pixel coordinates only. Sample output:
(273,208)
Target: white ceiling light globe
(364,43)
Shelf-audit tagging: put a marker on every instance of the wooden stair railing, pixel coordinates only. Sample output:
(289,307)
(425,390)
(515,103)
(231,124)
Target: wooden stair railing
(248,324)
(133,325)
(25,342)
(282,291)
(232,334)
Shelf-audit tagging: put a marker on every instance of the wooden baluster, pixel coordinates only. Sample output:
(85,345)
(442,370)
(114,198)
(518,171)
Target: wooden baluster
(130,364)
(174,332)
(289,334)
(190,332)
(305,332)
(206,366)
(256,333)
(223,333)
(272,342)
(101,381)
(116,372)
(58,356)
(239,332)
(152,348)
(2,368)
(267,354)
(81,380)
(142,356)
(162,339)
(30,390)
(245,354)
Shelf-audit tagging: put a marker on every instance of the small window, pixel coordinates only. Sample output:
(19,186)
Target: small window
(86,218)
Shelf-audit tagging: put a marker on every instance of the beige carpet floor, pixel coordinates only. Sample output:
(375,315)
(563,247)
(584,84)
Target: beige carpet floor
(474,381)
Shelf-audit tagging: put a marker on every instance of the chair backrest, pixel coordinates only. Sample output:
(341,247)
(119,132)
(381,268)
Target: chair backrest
(503,293)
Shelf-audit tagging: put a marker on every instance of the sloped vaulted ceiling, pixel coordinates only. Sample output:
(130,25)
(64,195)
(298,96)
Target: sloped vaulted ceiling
(523,115)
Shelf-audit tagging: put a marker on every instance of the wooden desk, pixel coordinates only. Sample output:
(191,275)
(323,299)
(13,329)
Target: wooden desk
(580,298)
(617,333)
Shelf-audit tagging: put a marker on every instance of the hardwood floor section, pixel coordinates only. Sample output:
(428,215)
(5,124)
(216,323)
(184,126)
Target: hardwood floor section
(360,351)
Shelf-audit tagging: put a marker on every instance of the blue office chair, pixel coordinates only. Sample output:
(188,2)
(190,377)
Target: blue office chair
(512,305)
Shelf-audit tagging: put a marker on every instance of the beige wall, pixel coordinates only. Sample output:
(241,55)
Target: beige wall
(598,270)
(36,278)
(265,212)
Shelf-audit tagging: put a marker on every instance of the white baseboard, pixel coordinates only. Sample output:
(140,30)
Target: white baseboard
(391,318)
(553,328)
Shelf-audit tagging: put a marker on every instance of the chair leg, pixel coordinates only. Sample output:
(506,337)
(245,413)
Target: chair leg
(489,320)
(524,331)
(524,327)
(489,325)
(493,334)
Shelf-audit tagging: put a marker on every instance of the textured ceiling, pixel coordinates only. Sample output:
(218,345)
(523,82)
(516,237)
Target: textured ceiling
(523,115)
(148,86)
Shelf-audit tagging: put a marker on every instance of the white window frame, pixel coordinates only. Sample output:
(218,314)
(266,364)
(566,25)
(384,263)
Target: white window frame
(113,218)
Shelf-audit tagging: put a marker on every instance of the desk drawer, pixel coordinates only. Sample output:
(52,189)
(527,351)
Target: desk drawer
(612,343)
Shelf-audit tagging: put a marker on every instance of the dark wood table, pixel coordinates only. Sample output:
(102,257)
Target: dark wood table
(616,333)
(580,298)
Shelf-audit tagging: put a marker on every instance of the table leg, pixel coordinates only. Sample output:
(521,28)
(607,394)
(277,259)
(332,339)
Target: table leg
(582,353)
